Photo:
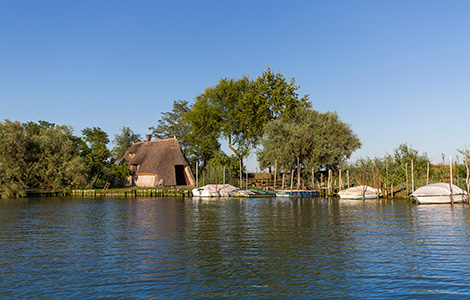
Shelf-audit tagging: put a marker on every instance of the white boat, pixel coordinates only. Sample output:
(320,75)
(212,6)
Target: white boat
(360,192)
(439,193)
(214,190)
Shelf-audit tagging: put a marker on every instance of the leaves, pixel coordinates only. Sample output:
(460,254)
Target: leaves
(41,155)
(319,140)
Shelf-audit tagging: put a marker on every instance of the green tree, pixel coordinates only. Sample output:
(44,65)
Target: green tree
(122,142)
(245,106)
(203,132)
(58,164)
(319,140)
(173,124)
(15,162)
(41,155)
(96,155)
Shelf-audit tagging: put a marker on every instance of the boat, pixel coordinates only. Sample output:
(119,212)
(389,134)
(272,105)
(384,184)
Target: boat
(361,192)
(440,192)
(295,193)
(214,190)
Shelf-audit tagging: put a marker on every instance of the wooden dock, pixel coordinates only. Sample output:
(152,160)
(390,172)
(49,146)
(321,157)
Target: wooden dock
(132,193)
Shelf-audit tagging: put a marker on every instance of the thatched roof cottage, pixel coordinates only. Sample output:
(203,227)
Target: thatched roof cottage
(157,163)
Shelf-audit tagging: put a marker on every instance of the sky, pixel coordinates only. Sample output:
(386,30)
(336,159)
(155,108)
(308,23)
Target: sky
(397,71)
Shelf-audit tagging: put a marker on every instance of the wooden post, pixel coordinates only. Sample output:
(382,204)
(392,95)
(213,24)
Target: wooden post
(197,171)
(412,177)
(468,171)
(275,172)
(329,182)
(313,179)
(298,174)
(291,181)
(283,180)
(364,186)
(241,175)
(451,192)
(427,174)
(246,186)
(340,181)
(347,176)
(406,175)
(224,175)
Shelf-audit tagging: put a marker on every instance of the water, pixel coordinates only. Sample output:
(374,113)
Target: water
(263,248)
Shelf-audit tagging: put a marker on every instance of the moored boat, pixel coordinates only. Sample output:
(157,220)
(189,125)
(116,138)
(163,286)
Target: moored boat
(295,193)
(440,192)
(361,192)
(214,190)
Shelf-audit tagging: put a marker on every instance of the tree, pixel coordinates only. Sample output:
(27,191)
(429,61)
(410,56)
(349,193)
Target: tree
(245,106)
(41,155)
(173,124)
(122,142)
(58,164)
(15,163)
(203,132)
(96,155)
(319,140)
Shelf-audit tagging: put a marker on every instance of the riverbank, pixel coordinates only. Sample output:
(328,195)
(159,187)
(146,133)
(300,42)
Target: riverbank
(115,192)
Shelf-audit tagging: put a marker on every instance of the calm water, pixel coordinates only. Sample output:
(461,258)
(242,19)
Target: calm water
(232,248)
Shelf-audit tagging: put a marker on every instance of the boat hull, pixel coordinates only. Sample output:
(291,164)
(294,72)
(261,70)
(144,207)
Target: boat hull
(440,192)
(295,193)
(439,199)
(366,197)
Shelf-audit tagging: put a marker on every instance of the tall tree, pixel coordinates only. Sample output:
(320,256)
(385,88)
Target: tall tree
(96,155)
(173,124)
(40,155)
(58,164)
(204,130)
(245,106)
(123,141)
(320,140)
(15,162)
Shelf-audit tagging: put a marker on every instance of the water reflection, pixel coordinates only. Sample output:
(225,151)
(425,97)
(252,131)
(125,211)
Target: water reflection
(230,247)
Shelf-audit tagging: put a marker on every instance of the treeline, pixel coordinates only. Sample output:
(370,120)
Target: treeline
(264,116)
(47,156)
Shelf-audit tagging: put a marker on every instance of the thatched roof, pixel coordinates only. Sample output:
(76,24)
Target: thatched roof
(156,157)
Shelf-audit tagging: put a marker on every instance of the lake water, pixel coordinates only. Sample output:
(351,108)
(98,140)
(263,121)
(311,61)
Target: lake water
(263,248)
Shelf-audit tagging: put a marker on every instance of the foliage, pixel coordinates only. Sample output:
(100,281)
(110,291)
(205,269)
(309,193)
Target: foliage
(122,142)
(120,172)
(245,106)
(319,140)
(394,170)
(173,124)
(96,156)
(204,131)
(41,155)
(219,165)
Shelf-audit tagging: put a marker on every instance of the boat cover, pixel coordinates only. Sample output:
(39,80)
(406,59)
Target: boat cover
(438,189)
(224,190)
(357,191)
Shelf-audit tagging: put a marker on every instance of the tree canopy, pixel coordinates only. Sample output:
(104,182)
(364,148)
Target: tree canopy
(319,140)
(122,142)
(245,106)
(41,155)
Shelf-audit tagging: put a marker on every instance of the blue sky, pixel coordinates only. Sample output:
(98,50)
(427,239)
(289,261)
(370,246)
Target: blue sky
(396,71)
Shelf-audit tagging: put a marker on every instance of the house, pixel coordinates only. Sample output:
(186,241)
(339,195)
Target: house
(157,163)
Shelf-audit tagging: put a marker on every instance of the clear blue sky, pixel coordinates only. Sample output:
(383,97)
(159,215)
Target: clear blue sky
(396,71)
